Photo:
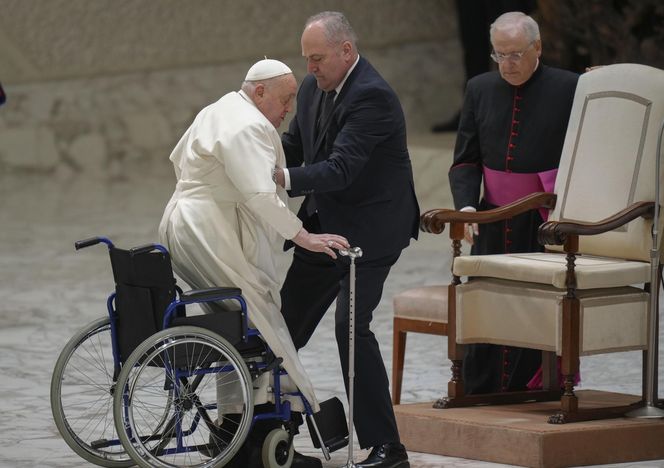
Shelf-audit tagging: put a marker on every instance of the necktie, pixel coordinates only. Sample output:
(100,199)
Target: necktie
(325,109)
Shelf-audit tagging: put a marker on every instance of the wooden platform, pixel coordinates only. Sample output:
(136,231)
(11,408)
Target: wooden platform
(520,435)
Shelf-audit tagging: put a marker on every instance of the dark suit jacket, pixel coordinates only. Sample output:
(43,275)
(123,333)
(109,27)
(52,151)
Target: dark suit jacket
(357,169)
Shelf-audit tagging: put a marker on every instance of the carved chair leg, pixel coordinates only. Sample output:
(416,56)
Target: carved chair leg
(569,403)
(455,385)
(455,351)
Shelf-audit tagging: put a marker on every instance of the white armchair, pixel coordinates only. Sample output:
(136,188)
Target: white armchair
(590,291)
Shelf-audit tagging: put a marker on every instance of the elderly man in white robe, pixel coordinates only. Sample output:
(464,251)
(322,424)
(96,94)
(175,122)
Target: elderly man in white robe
(226,220)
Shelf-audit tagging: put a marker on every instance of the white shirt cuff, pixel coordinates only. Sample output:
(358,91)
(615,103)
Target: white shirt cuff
(286,179)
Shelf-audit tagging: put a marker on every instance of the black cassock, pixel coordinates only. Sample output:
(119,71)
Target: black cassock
(509,143)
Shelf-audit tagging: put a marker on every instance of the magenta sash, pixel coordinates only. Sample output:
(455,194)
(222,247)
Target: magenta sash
(502,188)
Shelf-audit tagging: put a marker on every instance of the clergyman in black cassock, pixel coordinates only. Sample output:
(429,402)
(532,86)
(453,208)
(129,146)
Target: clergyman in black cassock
(510,138)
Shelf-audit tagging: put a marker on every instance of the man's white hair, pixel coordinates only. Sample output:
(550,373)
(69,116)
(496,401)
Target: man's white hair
(249,86)
(516,20)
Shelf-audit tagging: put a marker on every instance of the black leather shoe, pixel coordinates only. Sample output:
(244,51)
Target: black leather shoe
(304,461)
(386,456)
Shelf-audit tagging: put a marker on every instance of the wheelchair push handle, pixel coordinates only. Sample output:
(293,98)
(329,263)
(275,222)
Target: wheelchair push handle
(81,244)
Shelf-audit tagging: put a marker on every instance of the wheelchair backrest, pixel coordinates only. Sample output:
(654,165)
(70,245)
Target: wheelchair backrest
(144,286)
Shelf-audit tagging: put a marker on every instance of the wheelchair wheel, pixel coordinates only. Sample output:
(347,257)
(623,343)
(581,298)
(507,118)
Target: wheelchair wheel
(82,396)
(277,452)
(207,378)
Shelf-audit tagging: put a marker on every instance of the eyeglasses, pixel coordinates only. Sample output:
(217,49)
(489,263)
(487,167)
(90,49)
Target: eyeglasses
(499,57)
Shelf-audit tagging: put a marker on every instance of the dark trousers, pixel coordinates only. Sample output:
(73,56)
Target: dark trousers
(313,282)
(493,368)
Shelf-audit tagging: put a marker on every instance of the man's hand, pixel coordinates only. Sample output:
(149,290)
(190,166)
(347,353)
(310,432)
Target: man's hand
(469,229)
(325,243)
(278,177)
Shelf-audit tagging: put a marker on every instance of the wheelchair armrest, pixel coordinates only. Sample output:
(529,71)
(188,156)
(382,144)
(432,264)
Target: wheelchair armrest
(147,248)
(209,294)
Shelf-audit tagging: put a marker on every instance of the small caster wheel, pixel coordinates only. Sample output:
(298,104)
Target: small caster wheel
(276,452)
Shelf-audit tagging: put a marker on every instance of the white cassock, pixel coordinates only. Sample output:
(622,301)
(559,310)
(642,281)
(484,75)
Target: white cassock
(226,221)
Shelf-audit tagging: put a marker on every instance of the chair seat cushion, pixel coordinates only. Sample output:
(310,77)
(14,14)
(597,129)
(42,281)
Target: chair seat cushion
(530,315)
(428,303)
(551,269)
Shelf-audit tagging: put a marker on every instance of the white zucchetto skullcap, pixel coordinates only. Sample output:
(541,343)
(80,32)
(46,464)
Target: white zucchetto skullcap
(267,68)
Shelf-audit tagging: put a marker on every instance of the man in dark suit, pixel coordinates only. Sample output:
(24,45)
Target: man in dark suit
(346,151)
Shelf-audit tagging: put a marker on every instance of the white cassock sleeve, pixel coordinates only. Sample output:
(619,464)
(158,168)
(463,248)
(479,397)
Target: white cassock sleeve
(249,157)
(177,154)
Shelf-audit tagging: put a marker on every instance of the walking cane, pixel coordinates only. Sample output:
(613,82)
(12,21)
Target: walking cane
(352,253)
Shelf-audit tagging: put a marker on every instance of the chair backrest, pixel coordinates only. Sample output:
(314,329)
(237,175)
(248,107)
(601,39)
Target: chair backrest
(144,287)
(608,159)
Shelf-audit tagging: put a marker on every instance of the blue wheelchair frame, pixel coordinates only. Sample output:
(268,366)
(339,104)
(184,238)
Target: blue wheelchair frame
(282,409)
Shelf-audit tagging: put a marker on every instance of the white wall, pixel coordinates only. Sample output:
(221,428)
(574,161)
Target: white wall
(93,84)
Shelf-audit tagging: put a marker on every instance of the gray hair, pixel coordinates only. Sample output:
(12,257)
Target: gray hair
(250,86)
(516,20)
(336,27)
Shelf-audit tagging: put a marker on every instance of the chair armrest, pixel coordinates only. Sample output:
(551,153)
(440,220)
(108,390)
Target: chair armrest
(210,294)
(557,232)
(434,221)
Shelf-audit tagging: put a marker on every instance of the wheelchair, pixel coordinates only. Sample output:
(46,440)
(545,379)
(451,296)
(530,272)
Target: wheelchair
(149,385)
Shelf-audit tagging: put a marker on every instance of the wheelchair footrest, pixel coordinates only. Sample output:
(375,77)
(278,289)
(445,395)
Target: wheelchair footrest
(332,424)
